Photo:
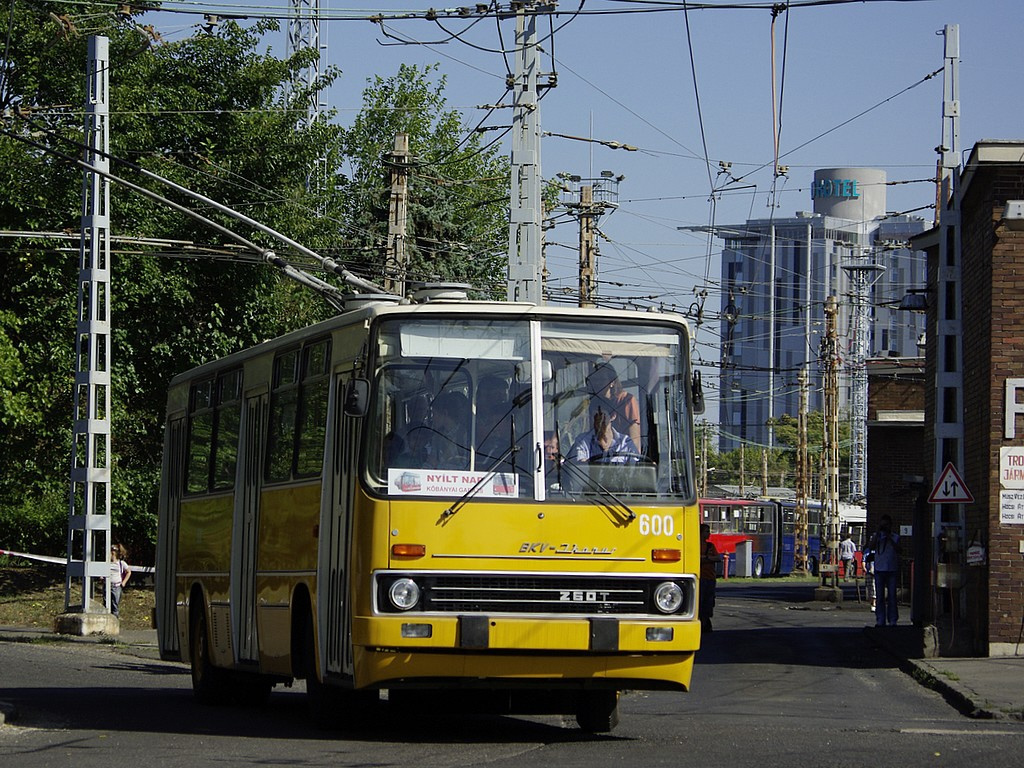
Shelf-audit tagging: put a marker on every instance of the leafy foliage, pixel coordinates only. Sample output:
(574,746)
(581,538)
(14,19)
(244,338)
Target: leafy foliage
(781,461)
(458,199)
(213,114)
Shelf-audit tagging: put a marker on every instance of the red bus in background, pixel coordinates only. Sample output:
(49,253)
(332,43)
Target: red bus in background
(768,525)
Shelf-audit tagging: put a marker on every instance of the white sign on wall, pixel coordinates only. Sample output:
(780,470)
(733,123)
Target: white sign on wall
(1011,466)
(1011,507)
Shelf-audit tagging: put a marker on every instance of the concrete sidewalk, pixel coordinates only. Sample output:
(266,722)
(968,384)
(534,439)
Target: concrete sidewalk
(982,687)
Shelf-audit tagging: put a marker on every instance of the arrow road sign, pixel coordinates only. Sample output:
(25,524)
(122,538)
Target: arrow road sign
(950,488)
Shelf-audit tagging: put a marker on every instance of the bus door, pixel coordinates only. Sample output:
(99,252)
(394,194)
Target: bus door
(342,460)
(167,552)
(247,516)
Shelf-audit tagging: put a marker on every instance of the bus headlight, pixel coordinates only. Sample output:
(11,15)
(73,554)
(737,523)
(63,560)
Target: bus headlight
(404,594)
(668,597)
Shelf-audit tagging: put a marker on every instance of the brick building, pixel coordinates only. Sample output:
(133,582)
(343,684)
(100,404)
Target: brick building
(975,598)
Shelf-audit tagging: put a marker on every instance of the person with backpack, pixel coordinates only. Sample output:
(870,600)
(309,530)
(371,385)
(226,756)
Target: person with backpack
(885,549)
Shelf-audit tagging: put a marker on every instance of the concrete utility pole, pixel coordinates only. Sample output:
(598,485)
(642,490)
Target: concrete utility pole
(396,259)
(948,520)
(89,512)
(830,365)
(525,237)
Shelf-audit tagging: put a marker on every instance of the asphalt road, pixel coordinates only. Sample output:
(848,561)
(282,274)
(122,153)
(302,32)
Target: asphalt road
(781,681)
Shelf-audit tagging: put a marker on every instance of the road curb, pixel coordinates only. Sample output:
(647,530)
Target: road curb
(961,698)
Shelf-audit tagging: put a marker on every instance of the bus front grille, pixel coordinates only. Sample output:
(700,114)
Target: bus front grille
(534,594)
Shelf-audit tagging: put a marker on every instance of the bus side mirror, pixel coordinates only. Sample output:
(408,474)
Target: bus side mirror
(357,397)
(697,391)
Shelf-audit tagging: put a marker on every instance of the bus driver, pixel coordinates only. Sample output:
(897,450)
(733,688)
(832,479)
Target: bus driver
(603,444)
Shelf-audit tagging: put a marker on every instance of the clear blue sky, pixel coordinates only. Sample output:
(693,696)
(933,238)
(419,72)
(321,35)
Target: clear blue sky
(628,78)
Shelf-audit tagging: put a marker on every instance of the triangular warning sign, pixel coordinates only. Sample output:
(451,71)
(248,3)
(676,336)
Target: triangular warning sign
(950,488)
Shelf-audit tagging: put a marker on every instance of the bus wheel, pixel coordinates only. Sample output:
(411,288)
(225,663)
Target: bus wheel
(210,685)
(759,568)
(598,711)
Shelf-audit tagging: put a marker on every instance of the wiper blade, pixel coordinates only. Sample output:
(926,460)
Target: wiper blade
(577,472)
(491,472)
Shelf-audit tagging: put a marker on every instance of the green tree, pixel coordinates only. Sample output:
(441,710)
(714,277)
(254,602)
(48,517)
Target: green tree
(207,112)
(458,187)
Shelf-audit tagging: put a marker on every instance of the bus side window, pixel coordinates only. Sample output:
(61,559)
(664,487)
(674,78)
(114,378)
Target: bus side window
(313,392)
(229,417)
(200,437)
(298,412)
(281,427)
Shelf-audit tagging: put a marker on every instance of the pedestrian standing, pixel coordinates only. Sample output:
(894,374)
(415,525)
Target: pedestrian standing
(709,559)
(885,546)
(119,575)
(847,549)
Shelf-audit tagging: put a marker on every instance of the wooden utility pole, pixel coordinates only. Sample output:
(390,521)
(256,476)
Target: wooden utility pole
(588,288)
(802,482)
(395,259)
(704,460)
(743,467)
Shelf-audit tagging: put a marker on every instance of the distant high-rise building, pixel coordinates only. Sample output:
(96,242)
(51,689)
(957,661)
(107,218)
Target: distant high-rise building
(776,275)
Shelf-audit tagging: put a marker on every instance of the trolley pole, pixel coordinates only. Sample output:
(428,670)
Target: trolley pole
(89,512)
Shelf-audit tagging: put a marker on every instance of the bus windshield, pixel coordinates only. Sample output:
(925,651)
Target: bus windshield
(530,409)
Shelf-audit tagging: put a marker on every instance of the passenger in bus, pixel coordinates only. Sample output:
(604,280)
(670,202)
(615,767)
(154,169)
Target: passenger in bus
(493,420)
(603,444)
(604,382)
(448,443)
(552,461)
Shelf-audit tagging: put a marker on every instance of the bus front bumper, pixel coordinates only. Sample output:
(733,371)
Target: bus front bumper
(639,654)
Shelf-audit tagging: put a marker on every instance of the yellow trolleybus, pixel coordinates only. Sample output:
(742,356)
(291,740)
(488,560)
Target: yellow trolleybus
(491,498)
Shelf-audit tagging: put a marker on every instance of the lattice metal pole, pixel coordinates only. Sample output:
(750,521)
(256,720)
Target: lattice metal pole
(830,365)
(304,32)
(89,511)
(860,321)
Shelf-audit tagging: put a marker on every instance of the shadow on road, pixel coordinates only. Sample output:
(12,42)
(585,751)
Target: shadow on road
(285,716)
(784,624)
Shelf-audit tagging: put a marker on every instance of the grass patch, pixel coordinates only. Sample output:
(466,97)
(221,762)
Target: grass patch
(32,595)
